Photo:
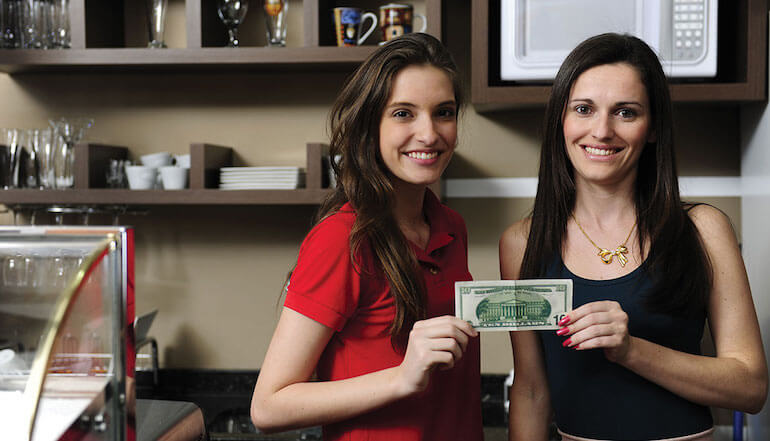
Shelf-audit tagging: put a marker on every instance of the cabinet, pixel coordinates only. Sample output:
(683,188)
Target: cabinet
(742,58)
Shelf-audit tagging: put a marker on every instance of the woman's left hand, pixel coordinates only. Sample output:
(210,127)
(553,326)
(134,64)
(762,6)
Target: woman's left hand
(594,325)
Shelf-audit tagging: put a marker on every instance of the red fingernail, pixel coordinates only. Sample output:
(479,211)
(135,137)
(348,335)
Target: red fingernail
(563,321)
(576,347)
(562,331)
(567,342)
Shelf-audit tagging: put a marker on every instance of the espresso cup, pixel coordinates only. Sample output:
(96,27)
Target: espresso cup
(347,25)
(396,20)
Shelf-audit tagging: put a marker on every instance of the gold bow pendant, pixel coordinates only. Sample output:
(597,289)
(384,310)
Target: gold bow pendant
(620,252)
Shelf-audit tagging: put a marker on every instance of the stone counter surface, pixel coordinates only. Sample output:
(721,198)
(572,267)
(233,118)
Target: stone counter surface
(224,397)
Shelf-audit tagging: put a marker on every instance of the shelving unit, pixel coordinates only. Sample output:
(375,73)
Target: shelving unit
(742,58)
(98,41)
(205,162)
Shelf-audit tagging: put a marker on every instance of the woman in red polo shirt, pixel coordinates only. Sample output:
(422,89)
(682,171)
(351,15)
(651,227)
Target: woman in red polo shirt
(369,306)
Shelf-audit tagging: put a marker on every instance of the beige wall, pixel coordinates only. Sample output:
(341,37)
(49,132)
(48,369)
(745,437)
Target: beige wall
(215,273)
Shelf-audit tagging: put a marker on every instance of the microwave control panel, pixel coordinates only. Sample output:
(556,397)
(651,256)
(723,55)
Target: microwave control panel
(689,39)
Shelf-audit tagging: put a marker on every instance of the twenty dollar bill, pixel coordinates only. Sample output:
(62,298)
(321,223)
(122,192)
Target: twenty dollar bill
(513,305)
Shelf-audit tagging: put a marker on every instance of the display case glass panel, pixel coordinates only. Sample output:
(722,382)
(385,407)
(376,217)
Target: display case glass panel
(63,322)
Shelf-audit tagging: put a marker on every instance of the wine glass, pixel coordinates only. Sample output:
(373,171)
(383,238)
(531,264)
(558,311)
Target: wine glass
(70,131)
(232,12)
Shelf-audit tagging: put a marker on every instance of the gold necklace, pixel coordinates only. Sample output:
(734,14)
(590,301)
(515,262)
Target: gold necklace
(605,254)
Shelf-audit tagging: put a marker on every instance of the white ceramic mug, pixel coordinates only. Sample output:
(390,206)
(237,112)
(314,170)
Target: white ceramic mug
(182,160)
(174,178)
(141,177)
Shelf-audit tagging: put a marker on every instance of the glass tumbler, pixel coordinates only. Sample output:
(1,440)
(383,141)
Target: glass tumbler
(9,24)
(60,24)
(156,22)
(29,165)
(46,147)
(10,158)
(275,21)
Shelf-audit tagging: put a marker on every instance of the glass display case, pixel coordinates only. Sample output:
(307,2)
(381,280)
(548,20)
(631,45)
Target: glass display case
(66,340)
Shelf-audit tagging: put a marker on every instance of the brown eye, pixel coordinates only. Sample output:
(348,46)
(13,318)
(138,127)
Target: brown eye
(401,114)
(582,109)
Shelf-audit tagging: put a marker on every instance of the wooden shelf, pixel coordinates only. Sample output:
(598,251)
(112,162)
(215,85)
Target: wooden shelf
(104,196)
(99,40)
(91,161)
(741,71)
(264,58)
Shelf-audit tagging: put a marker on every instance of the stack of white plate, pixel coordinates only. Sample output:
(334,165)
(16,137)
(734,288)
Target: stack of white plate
(261,178)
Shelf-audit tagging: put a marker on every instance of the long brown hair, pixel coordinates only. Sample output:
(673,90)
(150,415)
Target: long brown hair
(677,261)
(364,180)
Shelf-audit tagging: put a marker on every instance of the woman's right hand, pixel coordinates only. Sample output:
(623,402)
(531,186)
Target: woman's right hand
(438,342)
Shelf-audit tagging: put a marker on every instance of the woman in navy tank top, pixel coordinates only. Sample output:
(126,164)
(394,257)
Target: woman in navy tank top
(648,270)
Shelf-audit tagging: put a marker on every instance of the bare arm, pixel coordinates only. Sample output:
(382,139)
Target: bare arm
(530,403)
(285,398)
(737,377)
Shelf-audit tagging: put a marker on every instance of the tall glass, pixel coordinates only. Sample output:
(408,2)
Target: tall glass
(10,24)
(60,23)
(29,165)
(156,22)
(28,24)
(275,21)
(10,158)
(44,20)
(70,131)
(47,146)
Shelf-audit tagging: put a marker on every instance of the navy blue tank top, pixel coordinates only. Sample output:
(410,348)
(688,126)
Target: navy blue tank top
(593,397)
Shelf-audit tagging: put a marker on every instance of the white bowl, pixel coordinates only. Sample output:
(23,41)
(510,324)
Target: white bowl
(174,178)
(157,159)
(182,160)
(141,177)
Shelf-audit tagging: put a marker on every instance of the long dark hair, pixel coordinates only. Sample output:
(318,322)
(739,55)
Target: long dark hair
(676,261)
(364,180)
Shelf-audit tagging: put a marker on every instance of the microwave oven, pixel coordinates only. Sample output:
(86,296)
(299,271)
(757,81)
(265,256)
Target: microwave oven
(536,35)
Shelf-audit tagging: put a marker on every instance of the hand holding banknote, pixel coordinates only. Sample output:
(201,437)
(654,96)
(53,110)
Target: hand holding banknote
(438,342)
(594,325)
(513,305)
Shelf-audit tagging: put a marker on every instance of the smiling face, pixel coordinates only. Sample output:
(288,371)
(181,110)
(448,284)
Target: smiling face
(418,128)
(607,124)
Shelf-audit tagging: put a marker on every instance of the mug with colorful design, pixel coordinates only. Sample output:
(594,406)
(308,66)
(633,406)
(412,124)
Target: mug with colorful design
(396,20)
(347,25)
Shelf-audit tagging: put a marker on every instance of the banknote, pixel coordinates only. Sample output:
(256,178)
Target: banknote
(513,305)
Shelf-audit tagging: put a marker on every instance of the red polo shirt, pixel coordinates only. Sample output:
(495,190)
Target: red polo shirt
(356,302)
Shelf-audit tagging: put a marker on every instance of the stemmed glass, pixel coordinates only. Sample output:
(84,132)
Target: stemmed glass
(232,12)
(70,131)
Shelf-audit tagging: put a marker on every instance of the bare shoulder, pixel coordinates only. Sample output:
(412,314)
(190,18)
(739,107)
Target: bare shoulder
(711,223)
(513,244)
(515,236)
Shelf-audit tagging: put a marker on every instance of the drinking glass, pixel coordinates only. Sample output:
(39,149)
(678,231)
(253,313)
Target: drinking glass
(29,164)
(70,131)
(156,22)
(116,174)
(275,21)
(46,147)
(60,23)
(13,271)
(232,12)
(44,23)
(10,158)
(28,24)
